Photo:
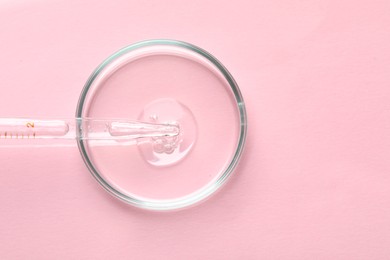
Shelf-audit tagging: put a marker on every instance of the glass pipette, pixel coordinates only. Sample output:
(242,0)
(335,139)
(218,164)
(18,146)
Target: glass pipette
(119,130)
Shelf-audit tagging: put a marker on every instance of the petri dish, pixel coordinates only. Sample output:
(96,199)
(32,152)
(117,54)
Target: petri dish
(166,82)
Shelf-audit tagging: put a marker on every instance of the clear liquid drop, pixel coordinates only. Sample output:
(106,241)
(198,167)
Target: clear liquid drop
(168,150)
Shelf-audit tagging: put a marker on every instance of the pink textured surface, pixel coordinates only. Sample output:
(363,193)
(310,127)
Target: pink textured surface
(314,181)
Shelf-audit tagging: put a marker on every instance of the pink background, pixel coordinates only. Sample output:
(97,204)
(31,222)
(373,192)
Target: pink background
(314,181)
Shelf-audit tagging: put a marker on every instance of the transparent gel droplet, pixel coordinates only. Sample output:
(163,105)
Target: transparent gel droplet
(168,150)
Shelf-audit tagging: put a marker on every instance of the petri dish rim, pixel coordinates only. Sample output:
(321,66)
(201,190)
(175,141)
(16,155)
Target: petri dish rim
(202,194)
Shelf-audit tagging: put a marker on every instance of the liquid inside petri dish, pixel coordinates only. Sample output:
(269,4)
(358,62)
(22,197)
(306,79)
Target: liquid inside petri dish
(168,150)
(165,88)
